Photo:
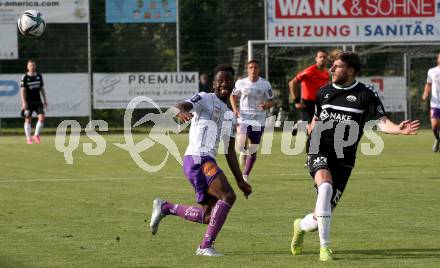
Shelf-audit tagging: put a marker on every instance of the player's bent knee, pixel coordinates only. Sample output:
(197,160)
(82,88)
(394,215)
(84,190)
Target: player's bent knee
(207,218)
(323,175)
(229,197)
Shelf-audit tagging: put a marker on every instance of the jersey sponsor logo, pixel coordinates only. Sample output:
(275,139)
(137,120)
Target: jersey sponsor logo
(209,169)
(351,98)
(340,117)
(324,115)
(335,116)
(196,98)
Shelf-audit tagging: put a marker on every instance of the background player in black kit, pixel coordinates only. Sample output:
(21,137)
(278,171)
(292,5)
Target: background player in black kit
(31,90)
(345,103)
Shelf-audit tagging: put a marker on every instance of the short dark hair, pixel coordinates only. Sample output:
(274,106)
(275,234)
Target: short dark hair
(351,59)
(321,51)
(253,61)
(224,68)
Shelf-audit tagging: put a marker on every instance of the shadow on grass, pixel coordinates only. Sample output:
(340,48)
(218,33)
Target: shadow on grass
(268,252)
(398,253)
(404,253)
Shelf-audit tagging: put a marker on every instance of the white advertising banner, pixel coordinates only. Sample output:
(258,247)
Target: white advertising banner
(116,90)
(329,21)
(61,11)
(8,42)
(67,95)
(391,89)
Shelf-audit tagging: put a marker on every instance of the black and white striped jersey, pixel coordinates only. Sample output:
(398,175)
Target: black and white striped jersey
(338,109)
(32,86)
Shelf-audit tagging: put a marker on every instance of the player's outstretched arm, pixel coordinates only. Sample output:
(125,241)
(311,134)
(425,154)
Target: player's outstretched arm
(231,158)
(182,112)
(406,127)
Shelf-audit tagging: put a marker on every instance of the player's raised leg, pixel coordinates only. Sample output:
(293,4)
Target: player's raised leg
(162,208)
(199,171)
(220,189)
(300,227)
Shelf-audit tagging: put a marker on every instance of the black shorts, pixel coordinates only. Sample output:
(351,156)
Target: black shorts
(33,107)
(307,112)
(339,171)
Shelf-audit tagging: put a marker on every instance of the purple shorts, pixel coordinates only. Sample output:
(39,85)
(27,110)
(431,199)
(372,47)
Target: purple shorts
(435,113)
(200,171)
(254,133)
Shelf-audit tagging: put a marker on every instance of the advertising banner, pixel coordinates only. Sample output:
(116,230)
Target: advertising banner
(67,95)
(116,90)
(61,11)
(328,21)
(140,11)
(8,42)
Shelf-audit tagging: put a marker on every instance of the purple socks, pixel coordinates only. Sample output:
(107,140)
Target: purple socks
(195,214)
(250,161)
(218,217)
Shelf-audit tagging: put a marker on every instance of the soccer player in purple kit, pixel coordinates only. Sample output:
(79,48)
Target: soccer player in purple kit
(433,86)
(256,97)
(208,112)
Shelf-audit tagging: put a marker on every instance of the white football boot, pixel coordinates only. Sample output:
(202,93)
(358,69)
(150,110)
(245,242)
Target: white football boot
(210,252)
(156,215)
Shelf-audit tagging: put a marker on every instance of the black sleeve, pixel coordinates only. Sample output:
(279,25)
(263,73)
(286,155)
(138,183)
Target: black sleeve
(375,108)
(22,81)
(318,108)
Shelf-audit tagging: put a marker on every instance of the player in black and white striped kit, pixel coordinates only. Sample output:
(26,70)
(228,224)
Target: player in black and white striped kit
(31,91)
(342,110)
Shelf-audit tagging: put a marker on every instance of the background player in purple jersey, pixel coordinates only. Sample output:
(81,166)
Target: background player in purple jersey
(208,112)
(256,97)
(433,86)
(345,102)
(31,91)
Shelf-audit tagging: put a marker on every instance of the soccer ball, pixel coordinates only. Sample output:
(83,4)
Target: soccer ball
(32,23)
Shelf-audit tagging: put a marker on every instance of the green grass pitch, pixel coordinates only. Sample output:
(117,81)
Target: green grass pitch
(95,213)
